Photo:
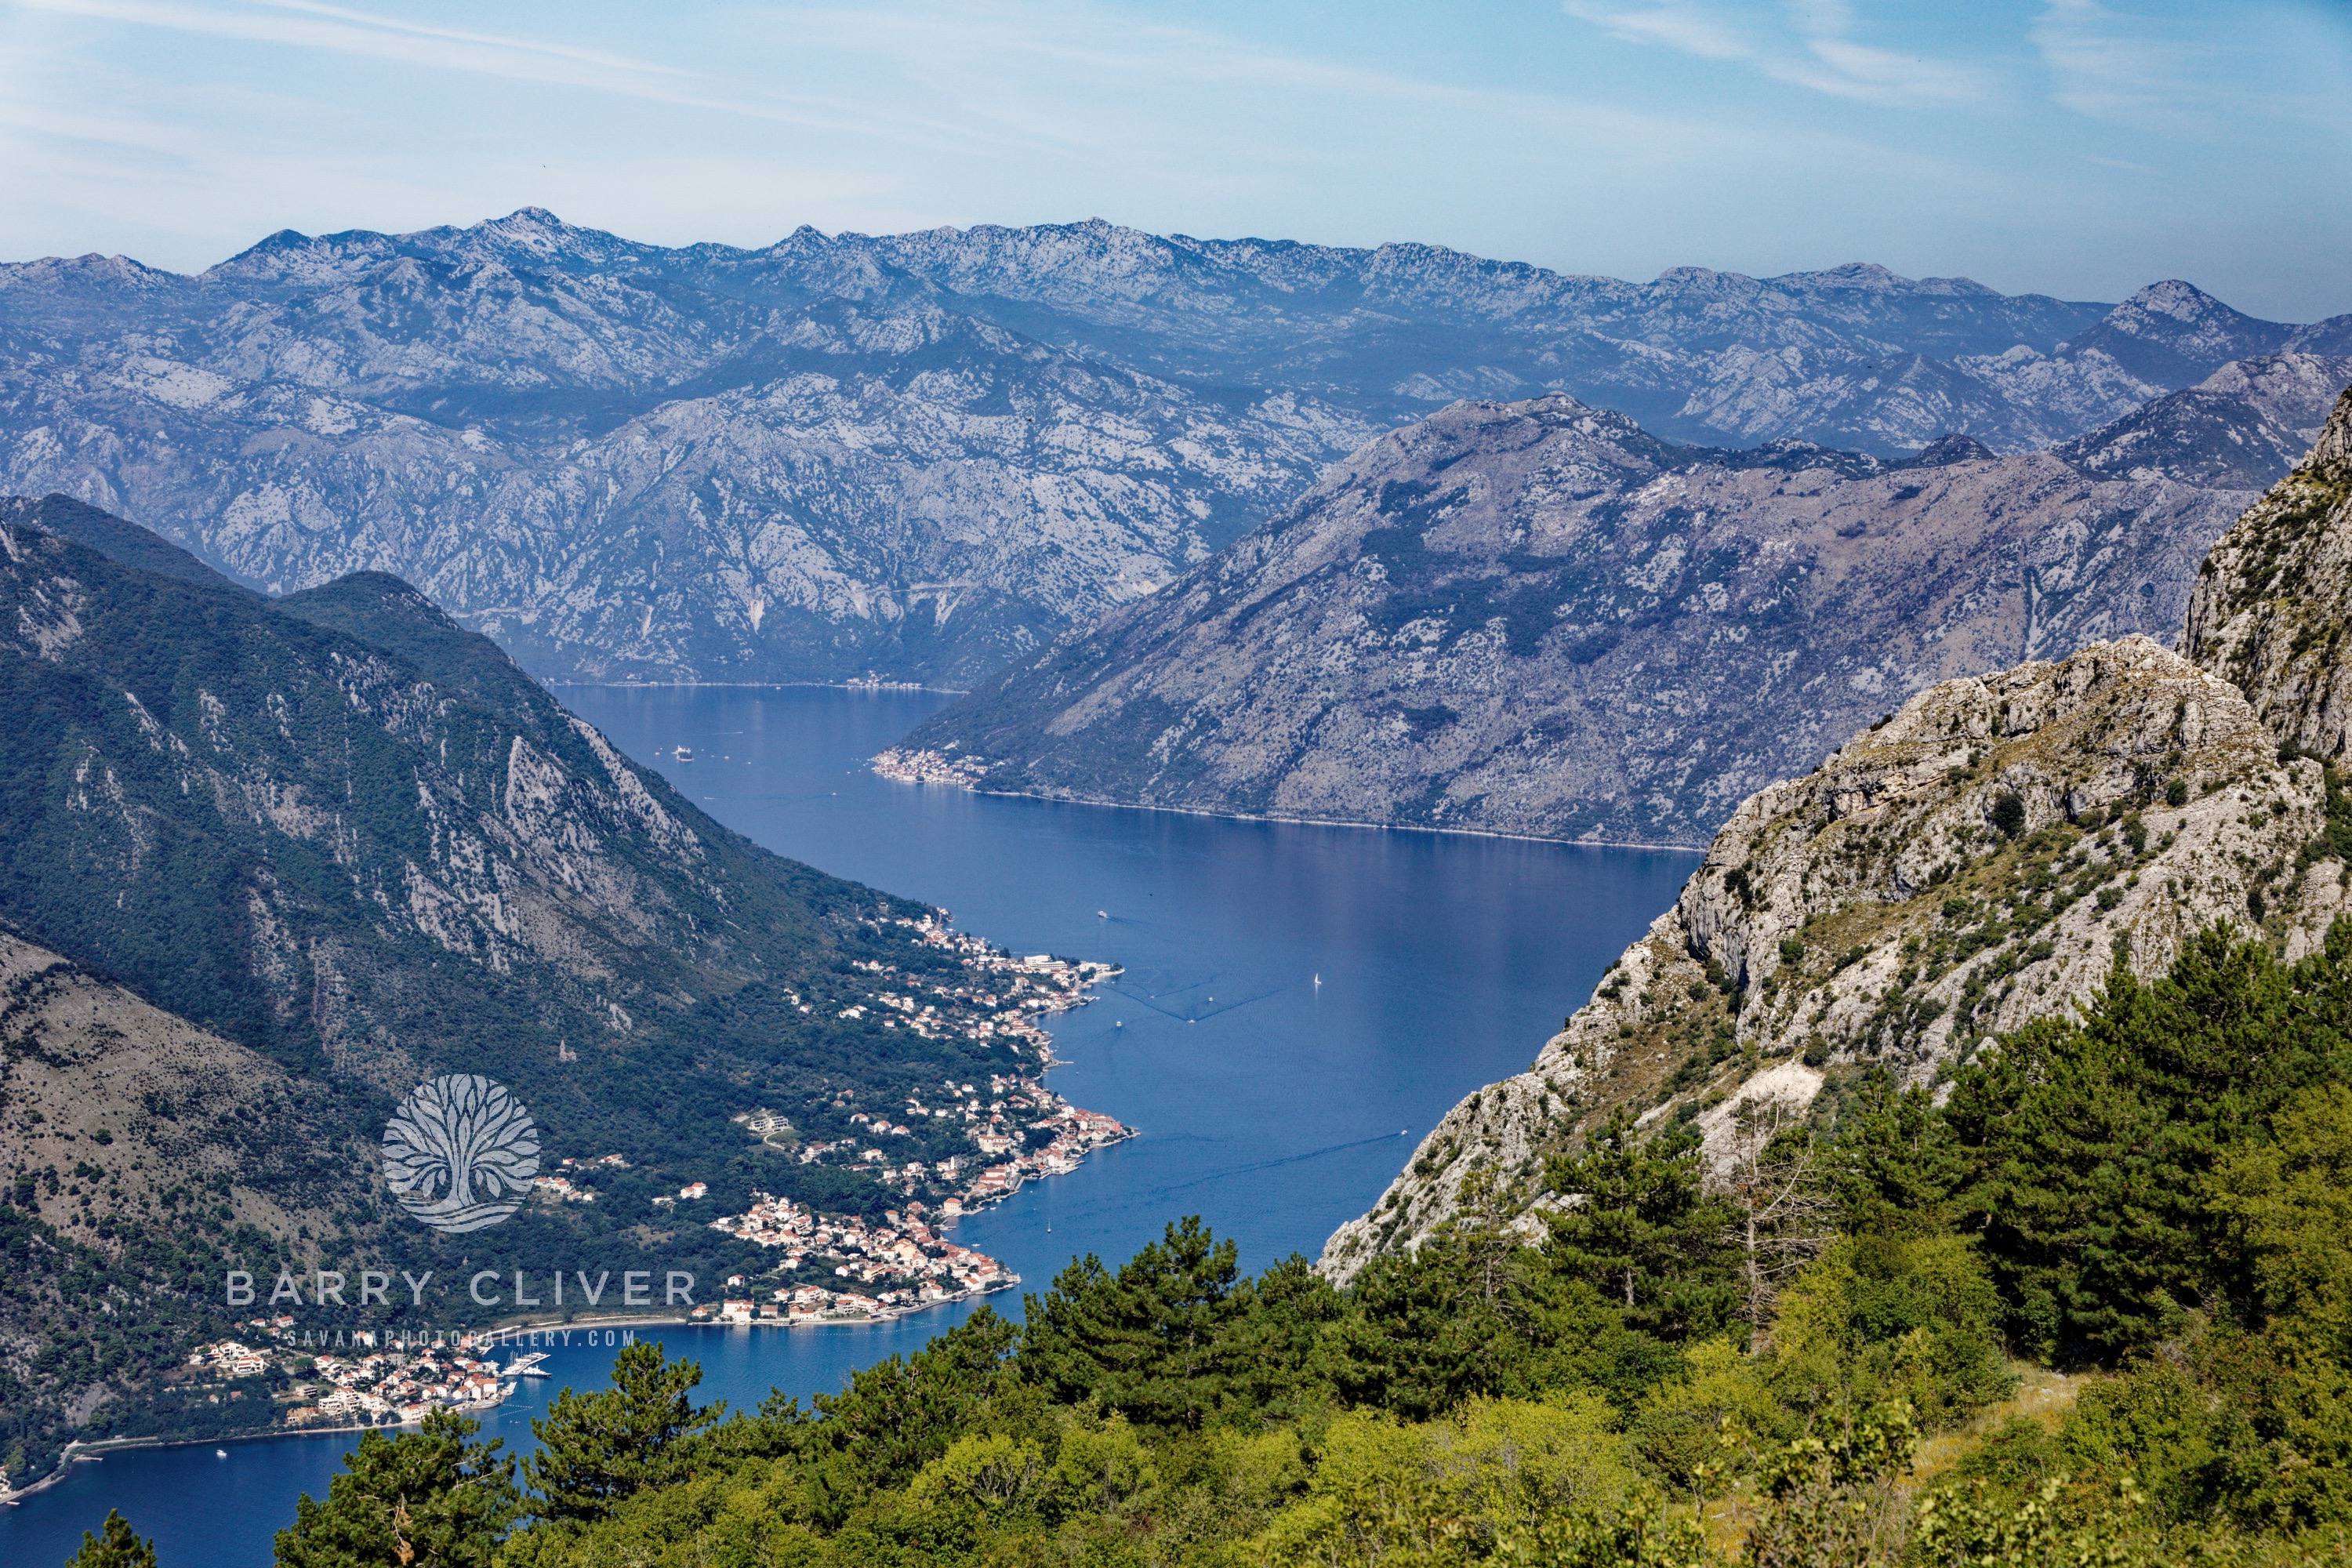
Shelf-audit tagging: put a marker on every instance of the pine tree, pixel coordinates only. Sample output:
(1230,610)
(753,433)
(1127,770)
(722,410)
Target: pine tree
(1153,1341)
(2092,1142)
(597,1450)
(1456,1317)
(119,1547)
(428,1499)
(1637,1225)
(1893,1167)
(899,1414)
(1274,1347)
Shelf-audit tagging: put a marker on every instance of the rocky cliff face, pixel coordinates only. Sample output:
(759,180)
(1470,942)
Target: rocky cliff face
(2269,612)
(921,456)
(1539,618)
(1977,861)
(1974,862)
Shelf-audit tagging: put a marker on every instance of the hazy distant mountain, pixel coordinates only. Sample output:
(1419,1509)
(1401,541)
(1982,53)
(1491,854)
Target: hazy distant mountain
(924,455)
(1537,617)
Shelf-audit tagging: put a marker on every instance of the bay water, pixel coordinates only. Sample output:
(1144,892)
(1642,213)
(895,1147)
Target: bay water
(1299,1004)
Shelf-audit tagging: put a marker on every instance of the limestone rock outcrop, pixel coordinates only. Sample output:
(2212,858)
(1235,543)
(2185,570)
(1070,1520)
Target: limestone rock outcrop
(2270,609)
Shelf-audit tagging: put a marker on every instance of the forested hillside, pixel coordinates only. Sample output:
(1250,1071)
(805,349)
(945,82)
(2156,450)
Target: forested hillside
(266,866)
(2092,1309)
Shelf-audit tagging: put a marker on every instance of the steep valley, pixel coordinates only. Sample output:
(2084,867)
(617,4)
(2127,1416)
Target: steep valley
(271,864)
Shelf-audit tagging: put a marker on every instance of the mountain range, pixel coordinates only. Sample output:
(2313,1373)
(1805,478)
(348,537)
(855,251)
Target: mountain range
(919,457)
(1539,617)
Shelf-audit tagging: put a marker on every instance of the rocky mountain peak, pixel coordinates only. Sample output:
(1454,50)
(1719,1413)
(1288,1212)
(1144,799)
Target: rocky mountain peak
(91,269)
(536,231)
(2175,300)
(1945,450)
(2217,438)
(2173,334)
(2294,389)
(1859,275)
(2334,446)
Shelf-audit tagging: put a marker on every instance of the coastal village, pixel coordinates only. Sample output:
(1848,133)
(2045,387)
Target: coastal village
(982,1143)
(925,766)
(899,1264)
(396,1383)
(1000,998)
(827,1268)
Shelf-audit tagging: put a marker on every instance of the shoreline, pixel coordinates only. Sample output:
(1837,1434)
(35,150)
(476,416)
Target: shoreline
(1102,800)
(1100,803)
(81,1452)
(501,1335)
(756,686)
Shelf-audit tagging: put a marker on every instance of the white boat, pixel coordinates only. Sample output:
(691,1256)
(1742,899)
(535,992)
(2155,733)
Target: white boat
(532,1366)
(220,1453)
(686,753)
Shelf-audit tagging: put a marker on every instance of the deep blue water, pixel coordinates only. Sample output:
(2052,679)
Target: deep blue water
(1272,1107)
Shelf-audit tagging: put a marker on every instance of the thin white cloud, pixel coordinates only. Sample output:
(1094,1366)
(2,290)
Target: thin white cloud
(2153,73)
(2106,70)
(358,33)
(1676,26)
(340,30)
(1811,50)
(460,36)
(1883,76)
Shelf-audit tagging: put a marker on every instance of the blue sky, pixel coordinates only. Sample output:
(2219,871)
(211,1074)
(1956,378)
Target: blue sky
(2076,147)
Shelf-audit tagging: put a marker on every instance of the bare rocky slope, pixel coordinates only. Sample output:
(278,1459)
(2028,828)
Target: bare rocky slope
(1978,859)
(921,456)
(2270,609)
(1537,617)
